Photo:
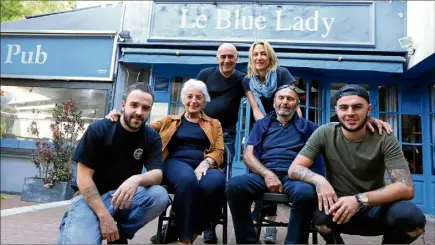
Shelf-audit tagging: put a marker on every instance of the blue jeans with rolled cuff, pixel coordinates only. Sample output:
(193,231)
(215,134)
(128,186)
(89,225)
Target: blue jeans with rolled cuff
(80,225)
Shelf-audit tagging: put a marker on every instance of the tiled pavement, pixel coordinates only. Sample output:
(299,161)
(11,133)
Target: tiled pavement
(40,227)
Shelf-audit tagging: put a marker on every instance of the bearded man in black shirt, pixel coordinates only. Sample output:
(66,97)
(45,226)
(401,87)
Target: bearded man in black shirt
(116,199)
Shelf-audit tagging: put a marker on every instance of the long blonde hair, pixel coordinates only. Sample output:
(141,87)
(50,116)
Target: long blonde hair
(273,59)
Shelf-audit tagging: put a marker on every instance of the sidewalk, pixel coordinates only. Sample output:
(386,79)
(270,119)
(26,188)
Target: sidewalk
(41,227)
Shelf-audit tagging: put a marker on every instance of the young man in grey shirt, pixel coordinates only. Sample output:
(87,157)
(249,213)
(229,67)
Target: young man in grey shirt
(353,198)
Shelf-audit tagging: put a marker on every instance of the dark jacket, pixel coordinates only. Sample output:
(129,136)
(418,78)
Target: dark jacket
(305,127)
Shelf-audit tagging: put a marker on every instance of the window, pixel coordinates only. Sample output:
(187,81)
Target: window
(432,123)
(17,103)
(407,127)
(177,106)
(136,74)
(334,89)
(310,96)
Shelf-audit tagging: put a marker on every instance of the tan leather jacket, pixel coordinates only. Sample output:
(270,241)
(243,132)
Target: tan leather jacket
(212,128)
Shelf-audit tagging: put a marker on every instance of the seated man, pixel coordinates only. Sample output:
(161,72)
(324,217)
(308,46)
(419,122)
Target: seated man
(353,198)
(110,159)
(274,142)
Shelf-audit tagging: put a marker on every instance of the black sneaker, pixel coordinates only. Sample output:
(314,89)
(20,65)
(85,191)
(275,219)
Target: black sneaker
(170,235)
(119,241)
(210,236)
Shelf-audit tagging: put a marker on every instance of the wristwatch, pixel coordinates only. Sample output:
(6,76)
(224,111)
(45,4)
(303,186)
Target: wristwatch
(208,162)
(362,199)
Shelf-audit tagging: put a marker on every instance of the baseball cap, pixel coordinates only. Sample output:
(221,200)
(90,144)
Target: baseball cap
(352,89)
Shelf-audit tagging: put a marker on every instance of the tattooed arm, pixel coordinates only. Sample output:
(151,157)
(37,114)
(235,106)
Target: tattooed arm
(401,188)
(89,190)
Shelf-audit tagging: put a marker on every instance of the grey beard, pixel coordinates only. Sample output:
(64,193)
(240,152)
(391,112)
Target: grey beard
(288,117)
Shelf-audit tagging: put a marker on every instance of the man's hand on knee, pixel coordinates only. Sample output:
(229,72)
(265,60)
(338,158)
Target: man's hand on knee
(272,182)
(344,209)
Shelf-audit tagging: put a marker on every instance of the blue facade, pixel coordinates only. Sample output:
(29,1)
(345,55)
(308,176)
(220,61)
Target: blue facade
(323,44)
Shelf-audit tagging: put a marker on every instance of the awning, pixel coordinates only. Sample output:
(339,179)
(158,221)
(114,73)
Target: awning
(379,63)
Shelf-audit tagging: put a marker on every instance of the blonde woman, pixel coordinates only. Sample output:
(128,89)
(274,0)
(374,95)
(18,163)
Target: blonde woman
(264,76)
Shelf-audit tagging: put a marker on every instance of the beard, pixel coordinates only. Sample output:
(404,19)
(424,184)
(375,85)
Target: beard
(358,128)
(127,121)
(286,114)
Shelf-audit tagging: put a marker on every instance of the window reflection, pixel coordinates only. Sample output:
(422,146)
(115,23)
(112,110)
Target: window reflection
(411,129)
(414,156)
(17,104)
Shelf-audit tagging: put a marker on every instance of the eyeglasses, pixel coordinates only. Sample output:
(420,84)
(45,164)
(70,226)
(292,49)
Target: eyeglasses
(224,56)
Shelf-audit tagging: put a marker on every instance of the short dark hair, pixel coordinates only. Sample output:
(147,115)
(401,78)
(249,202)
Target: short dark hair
(142,86)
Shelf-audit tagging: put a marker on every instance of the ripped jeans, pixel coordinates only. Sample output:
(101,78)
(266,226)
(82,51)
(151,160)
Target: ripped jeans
(80,225)
(395,221)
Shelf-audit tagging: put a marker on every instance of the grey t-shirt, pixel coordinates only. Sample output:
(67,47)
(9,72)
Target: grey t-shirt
(354,167)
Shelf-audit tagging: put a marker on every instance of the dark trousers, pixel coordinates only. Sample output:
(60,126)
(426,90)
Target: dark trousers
(242,190)
(196,203)
(230,141)
(392,220)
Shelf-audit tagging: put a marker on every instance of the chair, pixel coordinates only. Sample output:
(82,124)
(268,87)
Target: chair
(278,198)
(223,219)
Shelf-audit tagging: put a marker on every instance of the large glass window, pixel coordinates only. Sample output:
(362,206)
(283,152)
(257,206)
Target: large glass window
(18,104)
(310,95)
(407,127)
(432,120)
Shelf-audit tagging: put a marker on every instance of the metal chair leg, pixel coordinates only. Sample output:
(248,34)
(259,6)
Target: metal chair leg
(314,233)
(259,220)
(159,237)
(225,225)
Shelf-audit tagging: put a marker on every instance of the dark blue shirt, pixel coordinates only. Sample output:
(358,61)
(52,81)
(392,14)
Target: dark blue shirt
(225,94)
(116,154)
(189,142)
(280,146)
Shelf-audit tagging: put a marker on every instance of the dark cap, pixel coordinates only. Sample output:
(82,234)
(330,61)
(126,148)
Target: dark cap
(352,89)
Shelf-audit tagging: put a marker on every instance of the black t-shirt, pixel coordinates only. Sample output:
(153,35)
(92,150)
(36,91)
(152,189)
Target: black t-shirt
(283,77)
(225,94)
(116,154)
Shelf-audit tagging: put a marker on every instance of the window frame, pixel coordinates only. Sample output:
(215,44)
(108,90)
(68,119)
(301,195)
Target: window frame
(26,146)
(431,125)
(307,106)
(399,115)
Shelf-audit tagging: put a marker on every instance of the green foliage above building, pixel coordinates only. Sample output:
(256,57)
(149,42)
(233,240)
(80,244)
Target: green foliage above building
(16,9)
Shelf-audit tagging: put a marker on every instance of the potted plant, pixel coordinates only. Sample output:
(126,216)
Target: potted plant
(52,158)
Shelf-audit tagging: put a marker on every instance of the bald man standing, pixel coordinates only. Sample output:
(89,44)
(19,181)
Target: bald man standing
(224,84)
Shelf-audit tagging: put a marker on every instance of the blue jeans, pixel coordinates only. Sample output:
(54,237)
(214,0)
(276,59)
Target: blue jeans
(80,225)
(243,189)
(391,220)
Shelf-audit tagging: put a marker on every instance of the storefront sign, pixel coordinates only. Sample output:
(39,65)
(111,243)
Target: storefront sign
(342,23)
(86,57)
